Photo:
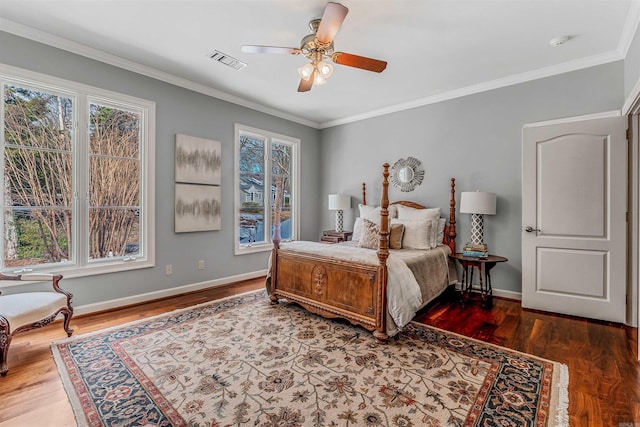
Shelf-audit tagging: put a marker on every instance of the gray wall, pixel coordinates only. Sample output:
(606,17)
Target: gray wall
(178,111)
(477,139)
(632,65)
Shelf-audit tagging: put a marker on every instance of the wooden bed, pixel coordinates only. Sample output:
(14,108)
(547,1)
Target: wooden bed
(337,288)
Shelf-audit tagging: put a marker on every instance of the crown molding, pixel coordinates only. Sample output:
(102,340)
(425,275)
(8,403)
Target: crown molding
(631,26)
(117,61)
(484,87)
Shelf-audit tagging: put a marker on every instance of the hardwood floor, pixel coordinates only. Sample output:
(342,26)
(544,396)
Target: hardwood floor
(604,375)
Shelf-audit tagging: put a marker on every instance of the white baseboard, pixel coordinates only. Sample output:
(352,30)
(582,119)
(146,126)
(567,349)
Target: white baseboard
(136,299)
(507,294)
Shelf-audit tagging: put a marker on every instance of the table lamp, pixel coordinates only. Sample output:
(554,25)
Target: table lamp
(338,203)
(477,203)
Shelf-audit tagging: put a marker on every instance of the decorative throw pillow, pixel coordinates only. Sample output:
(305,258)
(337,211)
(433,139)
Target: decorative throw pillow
(417,234)
(413,214)
(396,235)
(370,235)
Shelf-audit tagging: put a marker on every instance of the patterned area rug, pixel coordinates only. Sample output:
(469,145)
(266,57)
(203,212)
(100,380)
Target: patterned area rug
(244,362)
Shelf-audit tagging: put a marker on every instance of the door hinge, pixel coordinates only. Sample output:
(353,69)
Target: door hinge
(628,216)
(628,133)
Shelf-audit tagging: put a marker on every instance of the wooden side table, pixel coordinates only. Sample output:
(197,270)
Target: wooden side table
(484,266)
(332,236)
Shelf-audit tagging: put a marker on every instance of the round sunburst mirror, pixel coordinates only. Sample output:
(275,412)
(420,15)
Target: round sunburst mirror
(407,174)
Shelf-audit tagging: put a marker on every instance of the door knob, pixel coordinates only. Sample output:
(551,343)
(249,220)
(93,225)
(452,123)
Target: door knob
(529,229)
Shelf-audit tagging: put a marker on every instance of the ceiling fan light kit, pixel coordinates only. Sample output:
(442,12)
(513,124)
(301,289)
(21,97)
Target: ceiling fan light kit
(306,71)
(318,47)
(325,69)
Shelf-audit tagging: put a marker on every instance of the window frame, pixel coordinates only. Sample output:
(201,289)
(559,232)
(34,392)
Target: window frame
(82,96)
(269,138)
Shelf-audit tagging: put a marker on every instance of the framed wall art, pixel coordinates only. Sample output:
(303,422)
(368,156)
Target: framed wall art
(197,208)
(198,160)
(198,163)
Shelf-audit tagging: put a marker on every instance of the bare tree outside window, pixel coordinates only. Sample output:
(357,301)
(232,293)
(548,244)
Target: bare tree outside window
(38,179)
(114,173)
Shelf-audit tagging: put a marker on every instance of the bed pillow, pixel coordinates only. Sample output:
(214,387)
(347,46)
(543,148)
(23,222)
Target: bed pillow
(441,223)
(437,232)
(417,234)
(357,229)
(370,235)
(413,214)
(373,213)
(396,236)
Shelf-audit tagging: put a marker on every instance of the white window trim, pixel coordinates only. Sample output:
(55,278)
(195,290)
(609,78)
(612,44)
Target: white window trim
(147,111)
(295,173)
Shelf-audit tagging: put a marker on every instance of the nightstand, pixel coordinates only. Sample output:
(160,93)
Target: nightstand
(332,236)
(484,266)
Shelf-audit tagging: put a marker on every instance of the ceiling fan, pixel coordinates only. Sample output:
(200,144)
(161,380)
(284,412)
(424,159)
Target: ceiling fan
(318,47)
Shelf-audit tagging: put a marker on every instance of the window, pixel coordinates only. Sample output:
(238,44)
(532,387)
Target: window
(266,181)
(76,177)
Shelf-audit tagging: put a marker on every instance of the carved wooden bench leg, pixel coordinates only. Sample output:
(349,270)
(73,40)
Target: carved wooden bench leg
(68,314)
(5,340)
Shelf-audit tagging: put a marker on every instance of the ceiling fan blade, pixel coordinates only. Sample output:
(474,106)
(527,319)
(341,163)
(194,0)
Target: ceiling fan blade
(249,48)
(305,85)
(356,61)
(331,21)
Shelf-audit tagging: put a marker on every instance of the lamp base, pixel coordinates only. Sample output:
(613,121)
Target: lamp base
(477,229)
(339,221)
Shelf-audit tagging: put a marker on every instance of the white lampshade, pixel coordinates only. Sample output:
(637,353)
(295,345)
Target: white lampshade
(339,202)
(478,202)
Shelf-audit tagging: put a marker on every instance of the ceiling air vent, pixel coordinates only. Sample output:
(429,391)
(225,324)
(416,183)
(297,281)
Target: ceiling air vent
(227,60)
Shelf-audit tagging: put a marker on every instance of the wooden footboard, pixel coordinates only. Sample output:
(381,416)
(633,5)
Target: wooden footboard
(329,287)
(343,289)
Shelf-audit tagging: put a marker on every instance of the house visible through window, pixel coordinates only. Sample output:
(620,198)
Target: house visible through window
(265,162)
(75,195)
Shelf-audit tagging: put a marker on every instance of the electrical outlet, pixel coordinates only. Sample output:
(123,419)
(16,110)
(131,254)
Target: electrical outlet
(201,264)
(168,270)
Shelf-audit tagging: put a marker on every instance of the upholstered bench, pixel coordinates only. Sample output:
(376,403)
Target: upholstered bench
(29,310)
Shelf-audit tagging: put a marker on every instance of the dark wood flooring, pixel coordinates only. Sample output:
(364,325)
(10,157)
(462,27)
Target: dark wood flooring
(604,374)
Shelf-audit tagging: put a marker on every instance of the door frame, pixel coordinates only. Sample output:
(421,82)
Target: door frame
(632,110)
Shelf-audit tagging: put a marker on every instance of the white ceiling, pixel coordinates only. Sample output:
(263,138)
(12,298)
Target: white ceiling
(435,49)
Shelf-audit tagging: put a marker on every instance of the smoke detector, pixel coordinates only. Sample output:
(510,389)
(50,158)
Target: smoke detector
(559,41)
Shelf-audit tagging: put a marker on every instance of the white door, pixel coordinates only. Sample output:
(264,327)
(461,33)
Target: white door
(574,203)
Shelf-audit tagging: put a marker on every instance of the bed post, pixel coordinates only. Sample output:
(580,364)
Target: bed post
(271,281)
(383,253)
(451,233)
(364,193)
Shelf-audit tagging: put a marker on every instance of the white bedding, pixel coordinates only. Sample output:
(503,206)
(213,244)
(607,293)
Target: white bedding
(405,296)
